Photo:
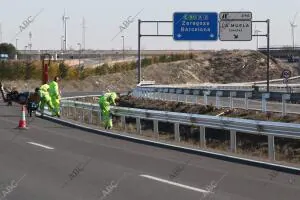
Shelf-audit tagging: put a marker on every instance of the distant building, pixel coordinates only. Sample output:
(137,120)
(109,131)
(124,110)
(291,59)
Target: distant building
(4,57)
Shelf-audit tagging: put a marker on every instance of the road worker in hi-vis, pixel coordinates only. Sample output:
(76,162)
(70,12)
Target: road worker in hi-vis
(105,101)
(54,93)
(45,98)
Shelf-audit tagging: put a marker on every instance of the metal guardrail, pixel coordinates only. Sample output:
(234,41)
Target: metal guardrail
(234,125)
(231,87)
(169,94)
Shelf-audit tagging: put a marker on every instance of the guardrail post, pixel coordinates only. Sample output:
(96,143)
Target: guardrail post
(247,95)
(139,93)
(265,96)
(82,114)
(186,93)
(232,94)
(91,116)
(284,98)
(177,97)
(177,132)
(123,121)
(152,95)
(100,115)
(218,95)
(196,99)
(68,111)
(206,93)
(233,141)
(75,112)
(271,147)
(138,126)
(61,110)
(155,127)
(202,137)
(205,99)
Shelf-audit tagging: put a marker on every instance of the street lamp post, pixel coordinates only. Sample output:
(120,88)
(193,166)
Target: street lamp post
(79,44)
(16,56)
(293,35)
(123,48)
(256,33)
(62,42)
(17,43)
(65,18)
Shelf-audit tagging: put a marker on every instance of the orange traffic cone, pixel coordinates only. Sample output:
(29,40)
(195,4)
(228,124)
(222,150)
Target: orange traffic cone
(22,122)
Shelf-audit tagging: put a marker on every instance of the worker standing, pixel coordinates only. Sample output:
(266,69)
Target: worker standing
(45,98)
(105,101)
(55,96)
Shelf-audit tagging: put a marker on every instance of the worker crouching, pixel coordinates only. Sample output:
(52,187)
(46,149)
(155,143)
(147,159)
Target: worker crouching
(105,101)
(45,98)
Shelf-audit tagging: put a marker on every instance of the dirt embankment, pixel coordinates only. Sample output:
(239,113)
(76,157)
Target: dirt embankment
(208,66)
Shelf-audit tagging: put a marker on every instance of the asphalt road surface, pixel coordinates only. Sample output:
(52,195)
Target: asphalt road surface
(37,164)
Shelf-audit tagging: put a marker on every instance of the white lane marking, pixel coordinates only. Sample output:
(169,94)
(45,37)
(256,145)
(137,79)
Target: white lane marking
(176,184)
(40,145)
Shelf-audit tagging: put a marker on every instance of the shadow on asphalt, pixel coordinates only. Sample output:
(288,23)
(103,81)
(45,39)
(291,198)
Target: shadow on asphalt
(9,115)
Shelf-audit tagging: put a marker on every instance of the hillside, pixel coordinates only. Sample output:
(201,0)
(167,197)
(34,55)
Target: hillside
(211,66)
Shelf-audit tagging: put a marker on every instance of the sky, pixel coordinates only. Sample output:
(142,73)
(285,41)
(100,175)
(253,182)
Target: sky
(103,20)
